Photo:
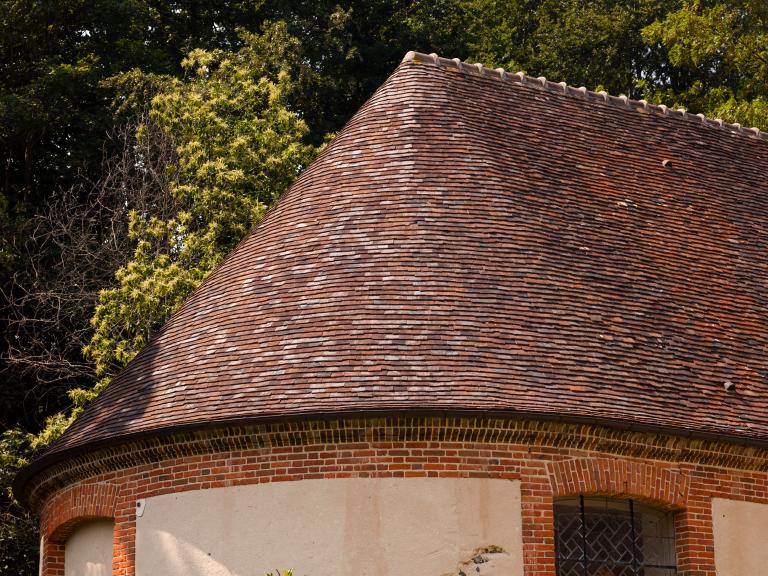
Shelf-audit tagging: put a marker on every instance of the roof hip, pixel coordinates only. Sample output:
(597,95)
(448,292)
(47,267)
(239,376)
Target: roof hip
(562,88)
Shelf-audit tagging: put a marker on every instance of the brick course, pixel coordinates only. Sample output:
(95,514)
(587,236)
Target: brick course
(549,459)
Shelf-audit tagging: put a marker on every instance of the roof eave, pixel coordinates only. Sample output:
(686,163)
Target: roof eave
(46,460)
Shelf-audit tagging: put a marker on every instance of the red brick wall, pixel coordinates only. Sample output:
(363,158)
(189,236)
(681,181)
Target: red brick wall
(549,463)
(66,511)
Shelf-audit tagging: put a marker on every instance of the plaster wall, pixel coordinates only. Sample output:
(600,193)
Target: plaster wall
(351,526)
(88,551)
(741,532)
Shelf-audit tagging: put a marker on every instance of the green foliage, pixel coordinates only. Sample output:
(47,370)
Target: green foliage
(345,49)
(55,121)
(722,47)
(236,89)
(706,55)
(591,43)
(57,58)
(238,147)
(18,531)
(693,36)
(597,43)
(493,32)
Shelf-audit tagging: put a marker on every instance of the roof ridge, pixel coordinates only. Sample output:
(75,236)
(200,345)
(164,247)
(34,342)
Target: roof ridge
(562,88)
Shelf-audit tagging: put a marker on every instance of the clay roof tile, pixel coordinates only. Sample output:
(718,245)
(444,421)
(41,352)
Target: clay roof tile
(475,240)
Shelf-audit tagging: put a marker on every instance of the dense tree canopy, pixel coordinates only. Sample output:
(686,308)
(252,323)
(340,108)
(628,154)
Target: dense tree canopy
(722,50)
(140,140)
(585,43)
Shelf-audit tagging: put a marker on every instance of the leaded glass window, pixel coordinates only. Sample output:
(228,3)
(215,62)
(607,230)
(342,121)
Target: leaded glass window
(605,537)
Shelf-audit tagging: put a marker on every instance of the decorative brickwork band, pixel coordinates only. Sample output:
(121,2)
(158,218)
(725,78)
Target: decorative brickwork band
(648,446)
(548,463)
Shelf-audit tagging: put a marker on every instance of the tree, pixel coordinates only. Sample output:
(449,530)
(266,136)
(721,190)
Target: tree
(72,252)
(709,56)
(595,43)
(55,122)
(723,48)
(197,168)
(237,147)
(57,125)
(126,165)
(18,530)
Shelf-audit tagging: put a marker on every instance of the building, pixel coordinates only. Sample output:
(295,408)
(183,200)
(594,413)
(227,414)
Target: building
(500,326)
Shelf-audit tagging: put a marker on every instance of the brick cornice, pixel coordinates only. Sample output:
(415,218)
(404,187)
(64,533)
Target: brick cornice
(492,431)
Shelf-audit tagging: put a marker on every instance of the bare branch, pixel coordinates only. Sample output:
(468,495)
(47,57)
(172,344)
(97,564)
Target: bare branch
(73,251)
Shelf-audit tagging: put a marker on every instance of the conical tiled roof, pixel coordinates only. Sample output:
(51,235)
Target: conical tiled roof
(478,241)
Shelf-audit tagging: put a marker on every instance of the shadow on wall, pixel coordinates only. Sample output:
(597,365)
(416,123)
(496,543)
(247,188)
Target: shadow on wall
(88,550)
(346,527)
(184,558)
(487,561)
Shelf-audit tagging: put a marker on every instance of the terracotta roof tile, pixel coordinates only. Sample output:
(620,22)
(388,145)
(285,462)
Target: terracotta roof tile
(479,240)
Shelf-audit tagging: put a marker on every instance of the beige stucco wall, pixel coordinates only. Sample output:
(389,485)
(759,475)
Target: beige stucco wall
(88,551)
(354,527)
(741,537)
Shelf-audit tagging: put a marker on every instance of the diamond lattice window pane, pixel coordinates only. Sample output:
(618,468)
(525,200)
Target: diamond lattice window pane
(607,537)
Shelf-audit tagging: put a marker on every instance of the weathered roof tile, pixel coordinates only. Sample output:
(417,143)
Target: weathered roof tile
(478,240)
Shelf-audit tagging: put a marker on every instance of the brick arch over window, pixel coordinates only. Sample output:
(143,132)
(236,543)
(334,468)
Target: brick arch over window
(653,483)
(68,510)
(657,485)
(77,505)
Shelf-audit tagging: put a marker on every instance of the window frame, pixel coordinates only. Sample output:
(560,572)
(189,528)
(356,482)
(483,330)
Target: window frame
(637,567)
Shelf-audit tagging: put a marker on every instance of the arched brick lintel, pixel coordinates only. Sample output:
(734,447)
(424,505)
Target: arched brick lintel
(77,505)
(659,485)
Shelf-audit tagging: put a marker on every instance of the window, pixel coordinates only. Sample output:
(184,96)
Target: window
(88,550)
(604,537)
